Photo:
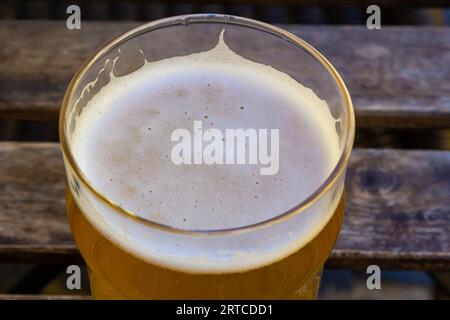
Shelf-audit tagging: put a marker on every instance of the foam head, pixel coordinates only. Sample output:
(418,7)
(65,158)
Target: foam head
(122,140)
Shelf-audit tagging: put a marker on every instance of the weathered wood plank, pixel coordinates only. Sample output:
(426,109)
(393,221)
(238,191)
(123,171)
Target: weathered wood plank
(398,209)
(382,3)
(397,76)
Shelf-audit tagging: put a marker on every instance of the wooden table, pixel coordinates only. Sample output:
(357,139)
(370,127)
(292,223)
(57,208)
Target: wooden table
(398,201)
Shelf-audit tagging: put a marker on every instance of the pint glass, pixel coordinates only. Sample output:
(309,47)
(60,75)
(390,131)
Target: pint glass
(263,237)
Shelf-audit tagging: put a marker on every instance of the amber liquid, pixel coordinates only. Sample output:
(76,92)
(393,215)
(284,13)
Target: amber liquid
(117,274)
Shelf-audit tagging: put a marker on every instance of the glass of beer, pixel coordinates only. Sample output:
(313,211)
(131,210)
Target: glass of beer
(205,158)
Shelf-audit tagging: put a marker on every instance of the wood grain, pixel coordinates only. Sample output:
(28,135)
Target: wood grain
(397,76)
(398,209)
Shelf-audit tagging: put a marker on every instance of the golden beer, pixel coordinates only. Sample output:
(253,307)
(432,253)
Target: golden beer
(117,274)
(205,159)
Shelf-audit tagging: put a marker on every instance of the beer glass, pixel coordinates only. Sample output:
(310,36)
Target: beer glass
(132,257)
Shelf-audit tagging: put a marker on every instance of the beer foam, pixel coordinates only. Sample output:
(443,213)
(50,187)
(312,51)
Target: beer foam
(122,144)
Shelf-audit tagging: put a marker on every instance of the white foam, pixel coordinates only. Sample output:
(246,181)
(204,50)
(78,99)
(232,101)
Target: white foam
(122,144)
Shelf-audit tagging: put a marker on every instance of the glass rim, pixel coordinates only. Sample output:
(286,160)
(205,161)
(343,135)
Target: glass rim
(225,19)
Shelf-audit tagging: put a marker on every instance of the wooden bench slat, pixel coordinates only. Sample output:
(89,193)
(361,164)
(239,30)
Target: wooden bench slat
(325,3)
(397,76)
(398,208)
